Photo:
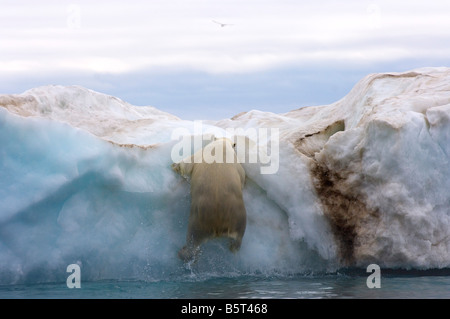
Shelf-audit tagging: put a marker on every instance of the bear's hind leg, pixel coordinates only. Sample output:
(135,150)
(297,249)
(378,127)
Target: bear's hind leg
(237,235)
(189,253)
(235,244)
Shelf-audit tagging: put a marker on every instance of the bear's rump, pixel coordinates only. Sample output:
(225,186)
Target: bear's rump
(218,219)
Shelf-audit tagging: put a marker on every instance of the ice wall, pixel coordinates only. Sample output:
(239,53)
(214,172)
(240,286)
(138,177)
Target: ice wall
(85,178)
(119,211)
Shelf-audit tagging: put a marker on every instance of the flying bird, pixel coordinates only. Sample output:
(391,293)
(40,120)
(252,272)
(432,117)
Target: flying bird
(221,24)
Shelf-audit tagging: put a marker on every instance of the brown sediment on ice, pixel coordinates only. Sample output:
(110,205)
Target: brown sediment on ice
(343,204)
(14,104)
(144,147)
(238,116)
(346,210)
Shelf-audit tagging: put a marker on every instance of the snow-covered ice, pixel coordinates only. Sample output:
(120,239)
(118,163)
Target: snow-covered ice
(86,178)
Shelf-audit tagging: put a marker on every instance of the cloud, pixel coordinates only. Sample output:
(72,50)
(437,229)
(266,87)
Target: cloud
(108,36)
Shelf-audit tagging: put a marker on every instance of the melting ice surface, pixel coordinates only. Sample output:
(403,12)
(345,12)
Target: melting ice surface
(86,178)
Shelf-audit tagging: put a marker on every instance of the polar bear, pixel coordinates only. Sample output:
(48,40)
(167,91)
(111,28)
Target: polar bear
(217,204)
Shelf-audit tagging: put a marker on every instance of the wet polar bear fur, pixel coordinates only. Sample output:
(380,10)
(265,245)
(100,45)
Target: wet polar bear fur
(217,204)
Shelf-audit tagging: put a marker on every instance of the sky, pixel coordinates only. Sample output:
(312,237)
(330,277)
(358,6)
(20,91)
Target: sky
(272,55)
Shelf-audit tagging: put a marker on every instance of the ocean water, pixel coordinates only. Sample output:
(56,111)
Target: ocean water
(427,285)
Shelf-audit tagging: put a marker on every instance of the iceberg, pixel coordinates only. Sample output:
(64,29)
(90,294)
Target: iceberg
(86,178)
